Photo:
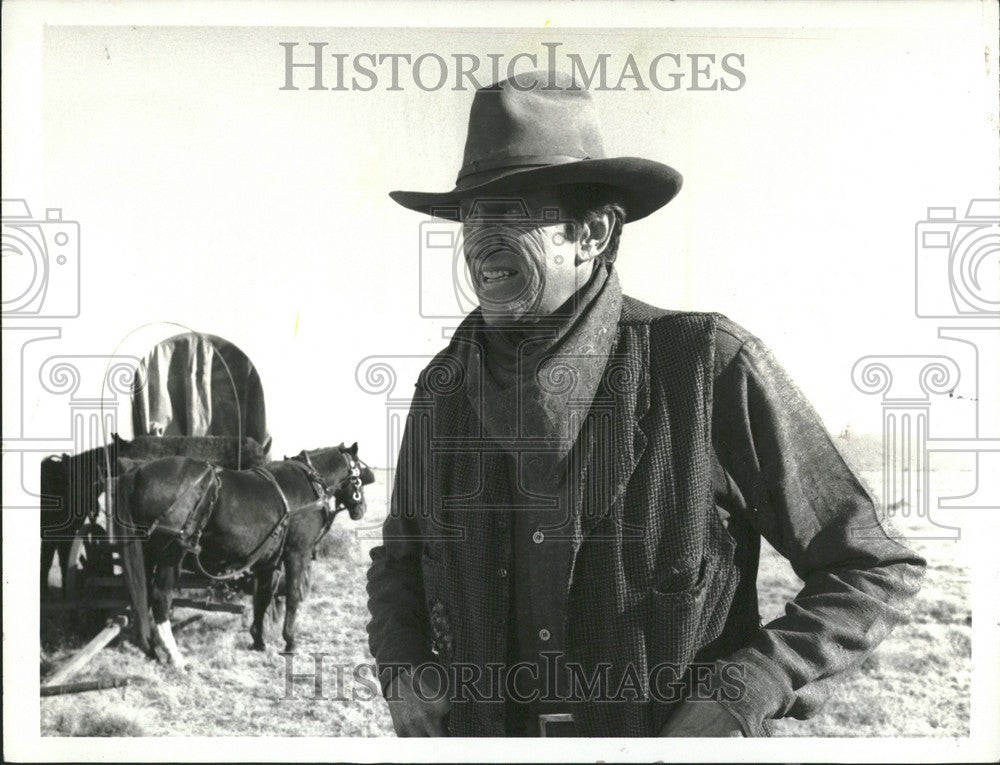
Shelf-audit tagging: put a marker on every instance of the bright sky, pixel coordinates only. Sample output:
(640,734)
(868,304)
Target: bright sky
(208,197)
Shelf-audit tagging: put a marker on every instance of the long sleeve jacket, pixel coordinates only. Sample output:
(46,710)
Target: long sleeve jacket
(697,446)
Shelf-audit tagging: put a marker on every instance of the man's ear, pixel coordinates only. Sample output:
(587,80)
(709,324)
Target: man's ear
(594,237)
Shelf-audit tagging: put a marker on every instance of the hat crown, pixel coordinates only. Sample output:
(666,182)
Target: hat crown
(529,120)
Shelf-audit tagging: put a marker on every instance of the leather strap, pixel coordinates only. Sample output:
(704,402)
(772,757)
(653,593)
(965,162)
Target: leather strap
(196,515)
(279,532)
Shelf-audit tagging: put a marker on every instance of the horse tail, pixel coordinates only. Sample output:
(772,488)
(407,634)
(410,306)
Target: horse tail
(133,559)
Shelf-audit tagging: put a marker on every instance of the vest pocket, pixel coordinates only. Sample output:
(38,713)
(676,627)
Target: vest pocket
(681,578)
(688,606)
(675,615)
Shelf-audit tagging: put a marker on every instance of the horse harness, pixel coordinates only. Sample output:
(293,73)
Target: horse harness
(204,504)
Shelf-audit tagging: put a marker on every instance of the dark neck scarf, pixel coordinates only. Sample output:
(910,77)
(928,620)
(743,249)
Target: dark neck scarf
(532,384)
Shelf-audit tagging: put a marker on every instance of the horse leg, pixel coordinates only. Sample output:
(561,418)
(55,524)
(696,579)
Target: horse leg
(149,569)
(295,572)
(263,592)
(164,581)
(49,551)
(62,552)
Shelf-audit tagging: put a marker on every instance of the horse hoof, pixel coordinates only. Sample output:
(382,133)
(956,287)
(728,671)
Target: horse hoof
(257,646)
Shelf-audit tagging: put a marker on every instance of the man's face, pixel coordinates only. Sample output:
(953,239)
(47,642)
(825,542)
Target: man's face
(521,255)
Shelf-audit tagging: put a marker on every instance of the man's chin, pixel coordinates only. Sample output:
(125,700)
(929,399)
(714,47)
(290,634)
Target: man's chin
(506,307)
(500,316)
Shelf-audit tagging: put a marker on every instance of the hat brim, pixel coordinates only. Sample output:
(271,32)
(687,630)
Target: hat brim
(641,186)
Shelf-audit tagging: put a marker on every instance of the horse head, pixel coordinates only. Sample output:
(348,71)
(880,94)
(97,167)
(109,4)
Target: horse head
(342,476)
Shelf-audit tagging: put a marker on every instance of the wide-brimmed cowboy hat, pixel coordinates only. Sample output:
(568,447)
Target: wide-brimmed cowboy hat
(536,130)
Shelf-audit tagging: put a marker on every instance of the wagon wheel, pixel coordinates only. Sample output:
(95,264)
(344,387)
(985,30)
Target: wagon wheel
(91,566)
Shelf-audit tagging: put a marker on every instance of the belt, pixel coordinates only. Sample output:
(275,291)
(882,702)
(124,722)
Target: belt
(556,725)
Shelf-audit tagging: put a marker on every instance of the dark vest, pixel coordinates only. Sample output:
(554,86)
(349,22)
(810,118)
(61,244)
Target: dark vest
(655,576)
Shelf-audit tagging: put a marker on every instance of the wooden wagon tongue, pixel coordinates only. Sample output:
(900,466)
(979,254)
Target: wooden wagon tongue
(56,683)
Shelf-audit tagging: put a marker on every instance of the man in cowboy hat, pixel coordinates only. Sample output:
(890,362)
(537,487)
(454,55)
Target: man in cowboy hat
(584,479)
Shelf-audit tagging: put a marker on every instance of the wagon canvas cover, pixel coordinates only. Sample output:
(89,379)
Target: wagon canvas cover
(198,385)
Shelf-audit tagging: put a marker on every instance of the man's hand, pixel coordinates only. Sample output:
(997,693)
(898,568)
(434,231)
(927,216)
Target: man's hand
(416,714)
(702,719)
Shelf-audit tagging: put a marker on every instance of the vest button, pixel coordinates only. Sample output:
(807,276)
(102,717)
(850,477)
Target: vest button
(544,635)
(502,573)
(538,537)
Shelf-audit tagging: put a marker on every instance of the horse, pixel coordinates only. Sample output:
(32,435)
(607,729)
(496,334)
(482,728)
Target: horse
(69,489)
(231,523)
(71,484)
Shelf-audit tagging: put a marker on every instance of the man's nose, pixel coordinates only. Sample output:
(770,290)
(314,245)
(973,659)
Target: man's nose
(481,241)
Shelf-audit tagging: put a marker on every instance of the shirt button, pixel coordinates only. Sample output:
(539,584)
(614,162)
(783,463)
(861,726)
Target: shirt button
(502,572)
(544,635)
(538,537)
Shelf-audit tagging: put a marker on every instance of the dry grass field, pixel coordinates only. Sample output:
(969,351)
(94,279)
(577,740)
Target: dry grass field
(915,684)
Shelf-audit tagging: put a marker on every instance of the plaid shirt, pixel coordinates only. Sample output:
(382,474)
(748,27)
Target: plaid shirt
(696,445)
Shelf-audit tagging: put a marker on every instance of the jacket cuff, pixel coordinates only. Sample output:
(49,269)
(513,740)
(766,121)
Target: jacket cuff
(765,693)
(400,650)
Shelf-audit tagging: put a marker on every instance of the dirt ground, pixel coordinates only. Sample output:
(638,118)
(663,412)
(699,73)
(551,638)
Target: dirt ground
(915,684)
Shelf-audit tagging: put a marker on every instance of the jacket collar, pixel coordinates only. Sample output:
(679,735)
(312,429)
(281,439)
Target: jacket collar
(613,440)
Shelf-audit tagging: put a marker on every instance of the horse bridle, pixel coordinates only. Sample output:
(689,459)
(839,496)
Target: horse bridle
(324,493)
